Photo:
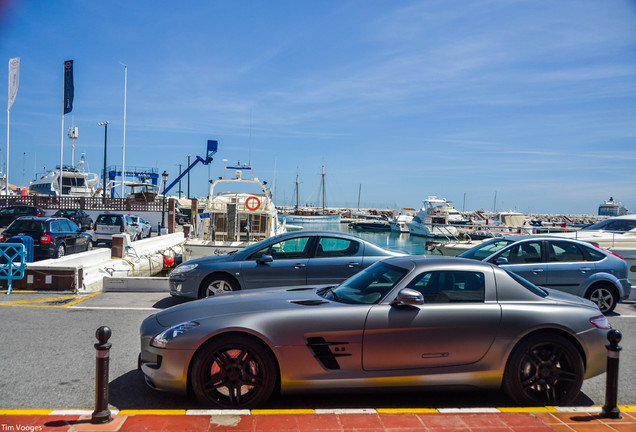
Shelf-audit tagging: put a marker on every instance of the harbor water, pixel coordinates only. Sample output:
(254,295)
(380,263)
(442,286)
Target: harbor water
(392,240)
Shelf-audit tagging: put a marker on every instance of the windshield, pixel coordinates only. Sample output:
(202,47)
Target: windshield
(618,225)
(64,213)
(367,287)
(486,249)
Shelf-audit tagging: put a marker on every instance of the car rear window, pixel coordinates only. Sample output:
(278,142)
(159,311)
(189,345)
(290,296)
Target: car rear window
(109,220)
(26,226)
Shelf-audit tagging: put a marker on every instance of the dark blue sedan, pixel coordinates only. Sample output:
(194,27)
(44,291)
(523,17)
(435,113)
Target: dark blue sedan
(297,258)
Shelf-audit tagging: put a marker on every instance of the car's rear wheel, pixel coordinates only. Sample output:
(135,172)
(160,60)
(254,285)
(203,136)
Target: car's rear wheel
(217,284)
(60,251)
(545,369)
(604,296)
(89,245)
(233,372)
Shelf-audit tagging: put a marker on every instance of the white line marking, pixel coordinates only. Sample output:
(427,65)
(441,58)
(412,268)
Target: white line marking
(111,308)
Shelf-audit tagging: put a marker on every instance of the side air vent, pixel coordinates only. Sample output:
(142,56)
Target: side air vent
(309,302)
(323,352)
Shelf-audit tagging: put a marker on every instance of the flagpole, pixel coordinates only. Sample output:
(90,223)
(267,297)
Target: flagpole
(123,148)
(62,134)
(14,80)
(6,190)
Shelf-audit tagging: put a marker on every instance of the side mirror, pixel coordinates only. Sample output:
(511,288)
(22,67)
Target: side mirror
(501,261)
(265,259)
(409,297)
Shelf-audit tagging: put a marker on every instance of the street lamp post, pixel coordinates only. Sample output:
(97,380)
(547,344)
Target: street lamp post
(105,124)
(164,177)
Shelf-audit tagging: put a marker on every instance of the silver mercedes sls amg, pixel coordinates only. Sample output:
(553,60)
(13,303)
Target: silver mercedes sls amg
(402,322)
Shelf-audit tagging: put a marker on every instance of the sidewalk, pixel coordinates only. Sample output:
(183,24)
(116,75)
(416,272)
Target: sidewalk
(547,419)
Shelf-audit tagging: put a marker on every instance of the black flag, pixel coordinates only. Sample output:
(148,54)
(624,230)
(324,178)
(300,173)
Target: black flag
(69,90)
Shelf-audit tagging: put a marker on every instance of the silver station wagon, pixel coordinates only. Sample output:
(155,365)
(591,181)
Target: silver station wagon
(297,258)
(568,265)
(410,321)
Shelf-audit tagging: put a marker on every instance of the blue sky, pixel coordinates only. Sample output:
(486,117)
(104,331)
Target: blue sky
(533,102)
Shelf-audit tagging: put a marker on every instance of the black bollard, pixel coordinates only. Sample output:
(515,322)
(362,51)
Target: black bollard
(610,410)
(102,413)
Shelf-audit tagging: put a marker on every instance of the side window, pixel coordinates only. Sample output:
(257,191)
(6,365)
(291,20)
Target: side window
(55,227)
(334,247)
(564,252)
(69,226)
(523,253)
(593,254)
(287,249)
(450,286)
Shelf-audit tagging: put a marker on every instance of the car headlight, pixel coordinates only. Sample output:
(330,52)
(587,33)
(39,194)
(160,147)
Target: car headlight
(162,339)
(183,268)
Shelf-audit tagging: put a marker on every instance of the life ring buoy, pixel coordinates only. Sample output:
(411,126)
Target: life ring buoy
(252,207)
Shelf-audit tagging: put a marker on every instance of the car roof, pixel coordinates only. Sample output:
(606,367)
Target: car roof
(516,238)
(40,218)
(437,261)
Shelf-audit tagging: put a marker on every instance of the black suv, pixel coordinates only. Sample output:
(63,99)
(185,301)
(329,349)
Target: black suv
(52,237)
(9,214)
(80,217)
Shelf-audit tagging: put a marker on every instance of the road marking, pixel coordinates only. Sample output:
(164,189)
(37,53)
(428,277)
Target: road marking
(113,308)
(68,301)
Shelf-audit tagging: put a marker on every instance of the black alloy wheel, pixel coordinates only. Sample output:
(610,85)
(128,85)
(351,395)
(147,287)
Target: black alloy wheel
(233,372)
(545,369)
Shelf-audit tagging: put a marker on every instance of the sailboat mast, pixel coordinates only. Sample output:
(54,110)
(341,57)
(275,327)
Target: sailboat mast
(297,200)
(323,189)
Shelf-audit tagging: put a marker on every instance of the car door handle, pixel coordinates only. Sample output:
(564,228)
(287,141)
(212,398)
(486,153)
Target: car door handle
(299,266)
(353,264)
(537,270)
(585,269)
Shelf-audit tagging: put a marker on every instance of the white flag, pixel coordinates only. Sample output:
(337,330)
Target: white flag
(14,80)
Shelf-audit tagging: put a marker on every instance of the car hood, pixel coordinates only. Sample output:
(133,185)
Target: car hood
(211,259)
(242,302)
(563,297)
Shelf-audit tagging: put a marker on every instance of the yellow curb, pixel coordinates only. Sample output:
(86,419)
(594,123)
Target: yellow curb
(282,411)
(407,411)
(527,409)
(25,412)
(152,412)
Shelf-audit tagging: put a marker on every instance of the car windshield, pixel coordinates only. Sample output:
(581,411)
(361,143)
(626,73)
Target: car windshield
(617,225)
(367,287)
(486,249)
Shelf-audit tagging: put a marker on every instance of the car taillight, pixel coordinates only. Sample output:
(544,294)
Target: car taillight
(45,239)
(121,229)
(95,226)
(610,252)
(39,214)
(601,322)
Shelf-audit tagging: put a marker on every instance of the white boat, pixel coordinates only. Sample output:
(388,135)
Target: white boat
(400,221)
(612,208)
(240,212)
(75,182)
(436,218)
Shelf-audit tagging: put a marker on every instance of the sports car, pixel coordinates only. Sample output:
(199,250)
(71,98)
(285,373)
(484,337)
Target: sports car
(402,322)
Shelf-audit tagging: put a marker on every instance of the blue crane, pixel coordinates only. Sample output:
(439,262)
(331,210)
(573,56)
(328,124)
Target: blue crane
(213,146)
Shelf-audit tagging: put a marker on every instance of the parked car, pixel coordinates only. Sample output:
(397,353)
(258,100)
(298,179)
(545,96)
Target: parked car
(9,214)
(409,321)
(108,224)
(296,258)
(80,217)
(143,228)
(568,265)
(52,237)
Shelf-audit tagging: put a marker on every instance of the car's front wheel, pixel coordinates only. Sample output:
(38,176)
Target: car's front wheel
(604,296)
(233,372)
(217,284)
(89,245)
(545,369)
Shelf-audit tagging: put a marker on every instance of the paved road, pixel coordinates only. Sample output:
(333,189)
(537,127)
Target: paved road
(47,359)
